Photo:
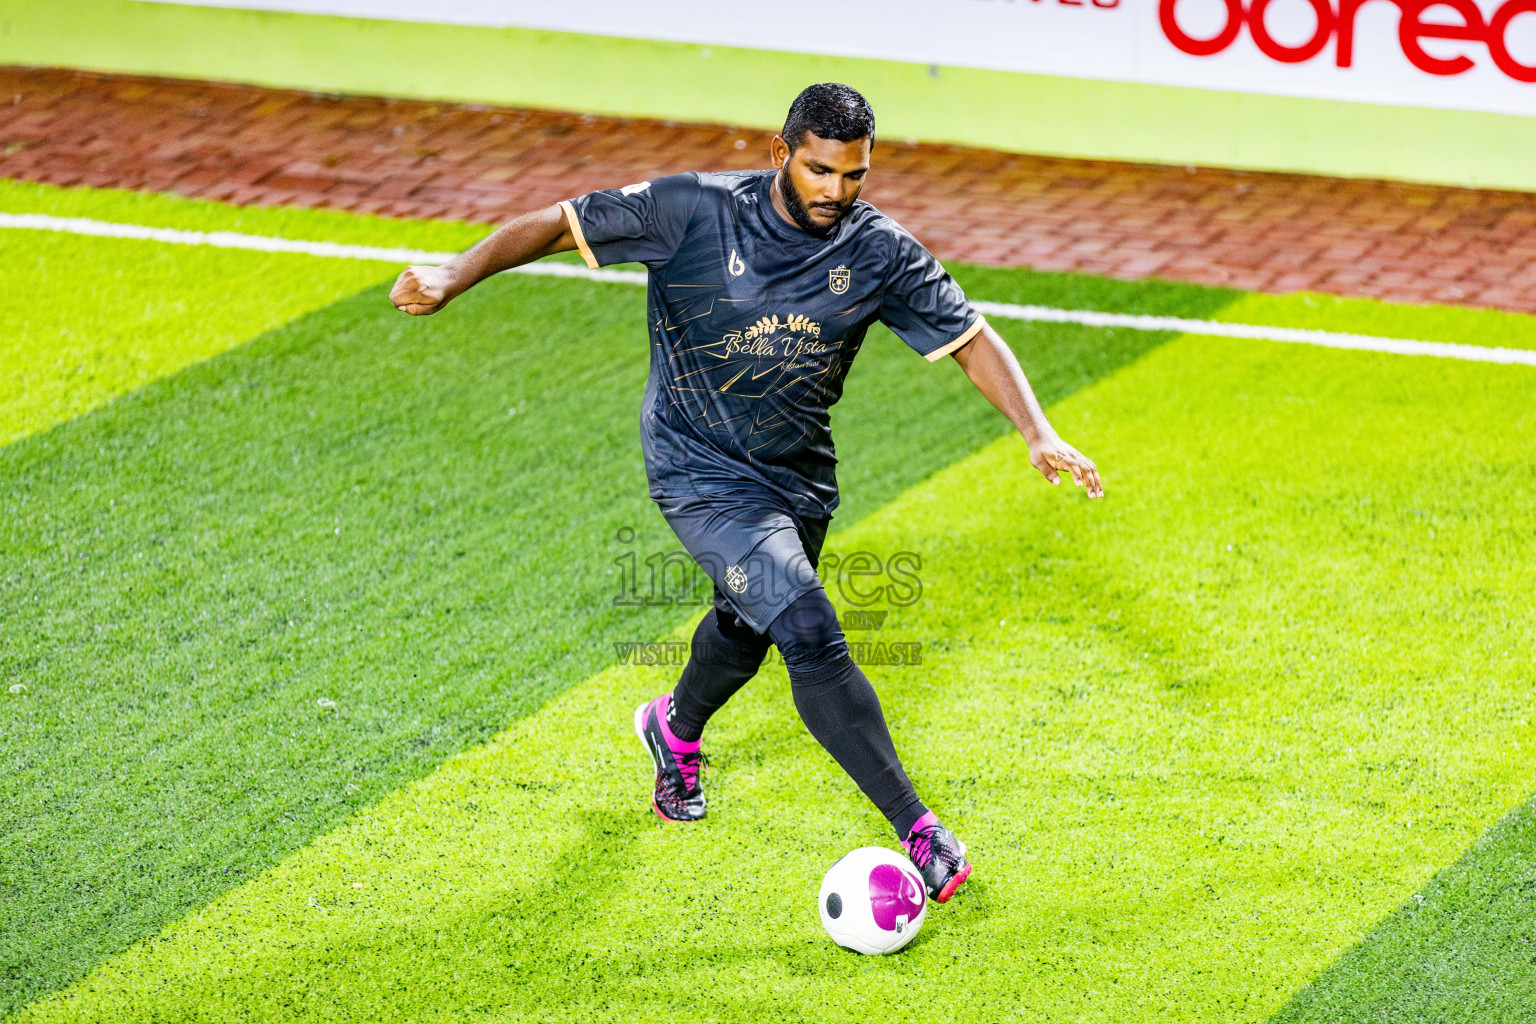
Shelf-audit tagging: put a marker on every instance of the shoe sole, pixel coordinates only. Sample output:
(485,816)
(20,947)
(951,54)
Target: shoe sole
(639,725)
(953,884)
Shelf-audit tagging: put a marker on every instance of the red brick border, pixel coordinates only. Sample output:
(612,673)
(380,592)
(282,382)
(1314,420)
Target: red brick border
(1268,232)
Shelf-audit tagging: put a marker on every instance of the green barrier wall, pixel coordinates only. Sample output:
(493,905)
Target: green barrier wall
(627,77)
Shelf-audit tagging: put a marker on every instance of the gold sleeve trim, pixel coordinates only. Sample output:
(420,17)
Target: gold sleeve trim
(581,239)
(970,332)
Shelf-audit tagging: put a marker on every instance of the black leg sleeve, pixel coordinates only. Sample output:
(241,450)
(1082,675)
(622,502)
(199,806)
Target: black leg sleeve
(724,656)
(840,708)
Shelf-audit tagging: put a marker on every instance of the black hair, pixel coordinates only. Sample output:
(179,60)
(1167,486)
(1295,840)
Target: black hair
(829,111)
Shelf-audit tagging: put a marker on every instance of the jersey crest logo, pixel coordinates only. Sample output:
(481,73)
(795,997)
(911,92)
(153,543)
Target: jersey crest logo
(735,266)
(839,279)
(736,578)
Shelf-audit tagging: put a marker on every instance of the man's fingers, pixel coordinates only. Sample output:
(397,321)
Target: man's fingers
(409,295)
(405,283)
(415,292)
(1069,462)
(1089,476)
(412,294)
(1066,459)
(1095,485)
(1091,473)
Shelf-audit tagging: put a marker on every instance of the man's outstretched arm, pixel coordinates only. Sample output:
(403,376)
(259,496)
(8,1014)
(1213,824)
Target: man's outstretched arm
(990,364)
(422,290)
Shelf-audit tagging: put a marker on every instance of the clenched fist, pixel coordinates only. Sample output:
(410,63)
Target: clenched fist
(422,290)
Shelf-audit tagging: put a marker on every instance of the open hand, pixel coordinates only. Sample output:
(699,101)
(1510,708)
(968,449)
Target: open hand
(421,290)
(1053,456)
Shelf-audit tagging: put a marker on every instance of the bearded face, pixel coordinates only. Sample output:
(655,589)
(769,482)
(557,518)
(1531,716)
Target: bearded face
(820,180)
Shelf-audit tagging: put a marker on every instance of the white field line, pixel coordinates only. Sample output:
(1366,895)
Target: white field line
(1295,335)
(1009,311)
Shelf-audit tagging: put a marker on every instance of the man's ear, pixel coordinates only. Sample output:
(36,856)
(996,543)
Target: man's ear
(779,150)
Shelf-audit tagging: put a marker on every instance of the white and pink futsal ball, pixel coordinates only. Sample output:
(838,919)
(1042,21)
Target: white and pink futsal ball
(872,901)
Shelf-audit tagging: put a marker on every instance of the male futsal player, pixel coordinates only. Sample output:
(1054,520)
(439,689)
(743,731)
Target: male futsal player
(762,286)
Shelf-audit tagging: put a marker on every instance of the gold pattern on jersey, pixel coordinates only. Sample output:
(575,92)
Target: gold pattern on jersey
(770,325)
(774,337)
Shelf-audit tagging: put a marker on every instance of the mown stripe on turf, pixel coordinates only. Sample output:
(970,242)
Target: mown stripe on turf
(413,521)
(1458,951)
(97,317)
(1014,311)
(1201,736)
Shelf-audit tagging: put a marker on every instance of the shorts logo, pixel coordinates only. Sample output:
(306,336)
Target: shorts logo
(735,266)
(838,280)
(736,579)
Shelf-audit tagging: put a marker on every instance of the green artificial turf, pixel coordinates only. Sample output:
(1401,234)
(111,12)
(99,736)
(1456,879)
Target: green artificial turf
(127,312)
(1084,291)
(1308,310)
(100,317)
(413,519)
(1461,950)
(175,645)
(1484,327)
(1202,737)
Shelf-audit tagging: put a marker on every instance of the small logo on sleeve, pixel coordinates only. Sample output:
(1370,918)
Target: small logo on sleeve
(630,190)
(736,578)
(735,266)
(838,280)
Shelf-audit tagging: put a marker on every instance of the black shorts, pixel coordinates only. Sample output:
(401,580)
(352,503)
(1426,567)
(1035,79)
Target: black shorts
(760,555)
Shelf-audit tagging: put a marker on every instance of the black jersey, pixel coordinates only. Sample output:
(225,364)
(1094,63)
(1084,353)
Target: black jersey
(754,324)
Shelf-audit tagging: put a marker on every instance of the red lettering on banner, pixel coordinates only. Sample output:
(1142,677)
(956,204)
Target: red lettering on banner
(1498,36)
(1291,54)
(1339,23)
(1201,47)
(1345,55)
(1413,27)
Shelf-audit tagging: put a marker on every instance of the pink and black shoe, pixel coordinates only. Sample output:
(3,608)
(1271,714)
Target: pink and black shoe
(678,796)
(939,856)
